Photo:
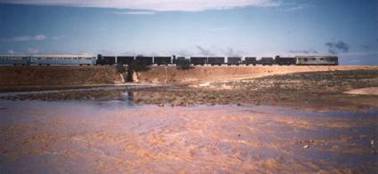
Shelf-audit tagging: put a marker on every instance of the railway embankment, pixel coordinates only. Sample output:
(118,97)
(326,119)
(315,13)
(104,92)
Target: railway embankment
(53,77)
(208,74)
(321,88)
(63,77)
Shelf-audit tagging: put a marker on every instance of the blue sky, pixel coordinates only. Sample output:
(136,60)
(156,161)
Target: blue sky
(348,28)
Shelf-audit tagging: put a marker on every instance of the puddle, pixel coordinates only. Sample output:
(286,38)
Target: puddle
(119,136)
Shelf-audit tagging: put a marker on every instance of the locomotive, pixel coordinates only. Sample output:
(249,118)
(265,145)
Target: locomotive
(163,60)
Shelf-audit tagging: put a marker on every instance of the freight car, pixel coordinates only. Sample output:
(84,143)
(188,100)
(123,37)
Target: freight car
(215,61)
(198,60)
(250,61)
(145,60)
(125,60)
(162,60)
(234,60)
(105,60)
(266,61)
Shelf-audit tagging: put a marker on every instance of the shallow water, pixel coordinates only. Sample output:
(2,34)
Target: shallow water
(118,136)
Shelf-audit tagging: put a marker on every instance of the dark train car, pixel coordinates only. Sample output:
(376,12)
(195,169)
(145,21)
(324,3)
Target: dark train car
(162,60)
(179,59)
(109,60)
(105,60)
(250,61)
(125,60)
(216,60)
(266,61)
(317,60)
(285,60)
(234,61)
(182,63)
(145,60)
(198,60)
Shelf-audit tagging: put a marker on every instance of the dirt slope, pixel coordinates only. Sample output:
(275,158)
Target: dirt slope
(29,77)
(219,74)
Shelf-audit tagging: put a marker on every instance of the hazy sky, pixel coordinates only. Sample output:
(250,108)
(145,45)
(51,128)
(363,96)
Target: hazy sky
(348,28)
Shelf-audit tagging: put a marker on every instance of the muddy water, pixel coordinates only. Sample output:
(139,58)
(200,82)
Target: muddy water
(118,136)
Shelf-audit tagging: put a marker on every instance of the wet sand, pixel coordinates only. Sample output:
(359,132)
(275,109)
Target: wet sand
(117,136)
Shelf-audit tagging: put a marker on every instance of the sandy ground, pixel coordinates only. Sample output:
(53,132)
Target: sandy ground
(119,137)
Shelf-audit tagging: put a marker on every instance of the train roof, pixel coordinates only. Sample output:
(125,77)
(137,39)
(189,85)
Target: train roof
(47,55)
(315,56)
(215,57)
(145,56)
(13,55)
(163,56)
(286,57)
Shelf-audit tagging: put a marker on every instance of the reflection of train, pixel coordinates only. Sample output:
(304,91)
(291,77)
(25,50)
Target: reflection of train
(162,60)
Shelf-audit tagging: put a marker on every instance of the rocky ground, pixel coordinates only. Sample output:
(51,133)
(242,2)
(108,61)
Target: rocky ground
(316,90)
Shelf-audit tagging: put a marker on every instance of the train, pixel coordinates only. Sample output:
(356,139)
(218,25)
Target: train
(81,60)
(218,60)
(54,59)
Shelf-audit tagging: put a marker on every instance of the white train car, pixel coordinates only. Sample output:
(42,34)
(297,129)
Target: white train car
(317,60)
(6,60)
(63,59)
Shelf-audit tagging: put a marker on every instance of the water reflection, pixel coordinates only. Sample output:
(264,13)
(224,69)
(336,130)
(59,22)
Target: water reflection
(119,136)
